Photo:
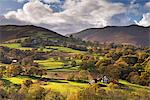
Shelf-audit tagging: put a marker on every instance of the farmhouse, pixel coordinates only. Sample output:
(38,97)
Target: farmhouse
(105,79)
(14,61)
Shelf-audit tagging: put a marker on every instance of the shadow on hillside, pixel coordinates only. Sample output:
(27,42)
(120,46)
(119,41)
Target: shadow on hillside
(6,82)
(45,79)
(57,81)
(79,81)
(59,68)
(136,86)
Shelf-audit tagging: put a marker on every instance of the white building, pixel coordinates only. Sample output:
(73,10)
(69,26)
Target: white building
(105,80)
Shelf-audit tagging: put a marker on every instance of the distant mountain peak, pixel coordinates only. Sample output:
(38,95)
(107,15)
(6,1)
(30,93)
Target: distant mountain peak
(8,32)
(133,34)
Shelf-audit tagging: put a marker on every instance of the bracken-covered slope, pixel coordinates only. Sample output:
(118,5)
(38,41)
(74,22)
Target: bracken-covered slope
(133,34)
(8,32)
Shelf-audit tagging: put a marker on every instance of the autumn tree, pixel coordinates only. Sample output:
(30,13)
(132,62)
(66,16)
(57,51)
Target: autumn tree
(36,92)
(73,63)
(53,95)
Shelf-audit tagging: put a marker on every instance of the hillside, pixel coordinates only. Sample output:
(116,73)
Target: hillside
(49,66)
(133,34)
(8,32)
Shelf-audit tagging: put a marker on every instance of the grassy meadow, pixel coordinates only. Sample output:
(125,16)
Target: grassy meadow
(62,86)
(16,46)
(47,48)
(64,49)
(50,63)
(69,87)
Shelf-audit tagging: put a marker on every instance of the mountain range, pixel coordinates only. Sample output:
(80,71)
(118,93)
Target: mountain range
(133,34)
(8,32)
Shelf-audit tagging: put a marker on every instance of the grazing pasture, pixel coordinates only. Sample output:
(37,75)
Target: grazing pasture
(63,49)
(62,86)
(50,64)
(69,87)
(47,48)
(16,46)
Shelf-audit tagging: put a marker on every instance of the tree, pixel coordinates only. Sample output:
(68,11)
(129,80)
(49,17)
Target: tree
(27,61)
(145,78)
(113,72)
(114,55)
(53,95)
(3,94)
(91,93)
(27,83)
(73,63)
(83,75)
(124,69)
(103,62)
(102,70)
(6,60)
(36,92)
(131,60)
(138,67)
(13,70)
(147,65)
(41,72)
(88,65)
(23,90)
(131,74)
(142,56)
(1,75)
(135,79)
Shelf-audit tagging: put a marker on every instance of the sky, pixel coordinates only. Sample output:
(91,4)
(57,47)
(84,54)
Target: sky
(70,16)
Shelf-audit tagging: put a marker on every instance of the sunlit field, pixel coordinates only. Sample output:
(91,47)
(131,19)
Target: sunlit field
(16,46)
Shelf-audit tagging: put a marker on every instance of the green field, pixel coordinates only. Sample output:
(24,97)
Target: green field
(16,46)
(67,87)
(64,49)
(50,63)
(63,86)
(16,80)
(48,48)
(135,86)
(53,65)
(66,69)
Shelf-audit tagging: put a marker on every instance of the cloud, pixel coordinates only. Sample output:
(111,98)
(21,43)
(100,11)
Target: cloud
(50,1)
(77,14)
(94,12)
(147,5)
(133,1)
(46,1)
(4,21)
(32,12)
(145,21)
(20,0)
(121,20)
